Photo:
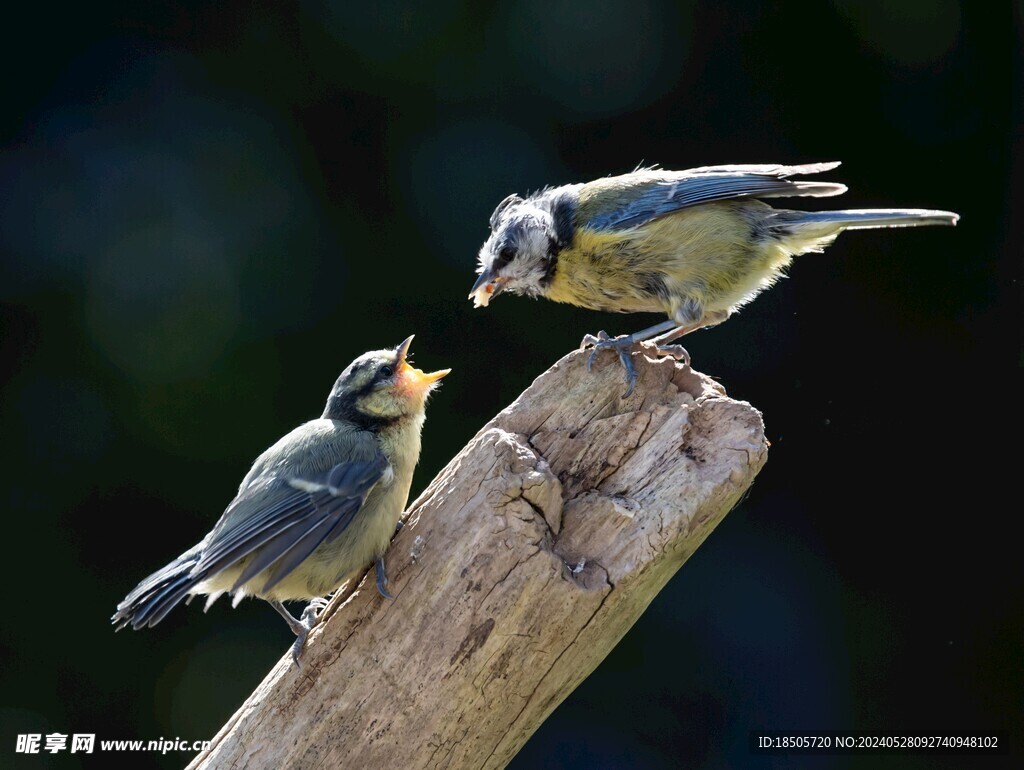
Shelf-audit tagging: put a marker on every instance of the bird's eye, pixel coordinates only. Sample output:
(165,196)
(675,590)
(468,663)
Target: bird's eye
(385,371)
(507,254)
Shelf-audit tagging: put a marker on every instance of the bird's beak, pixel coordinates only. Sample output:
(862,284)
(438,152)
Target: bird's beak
(487,287)
(410,374)
(403,349)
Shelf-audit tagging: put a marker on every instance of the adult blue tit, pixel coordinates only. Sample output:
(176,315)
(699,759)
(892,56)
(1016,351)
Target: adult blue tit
(315,508)
(695,245)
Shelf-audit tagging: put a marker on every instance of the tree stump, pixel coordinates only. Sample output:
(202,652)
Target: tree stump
(519,568)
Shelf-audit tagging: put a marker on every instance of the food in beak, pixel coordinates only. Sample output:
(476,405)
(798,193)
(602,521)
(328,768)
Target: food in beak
(486,288)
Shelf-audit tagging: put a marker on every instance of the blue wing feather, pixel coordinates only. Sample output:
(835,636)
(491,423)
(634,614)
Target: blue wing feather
(633,199)
(288,523)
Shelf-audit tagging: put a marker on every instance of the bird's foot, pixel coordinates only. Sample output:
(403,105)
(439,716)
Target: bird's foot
(304,625)
(620,345)
(318,605)
(382,579)
(678,352)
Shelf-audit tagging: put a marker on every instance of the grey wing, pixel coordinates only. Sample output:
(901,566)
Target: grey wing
(283,524)
(657,193)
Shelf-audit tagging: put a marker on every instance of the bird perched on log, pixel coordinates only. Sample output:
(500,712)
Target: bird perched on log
(695,245)
(315,508)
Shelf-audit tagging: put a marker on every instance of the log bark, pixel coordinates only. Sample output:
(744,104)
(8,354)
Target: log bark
(519,568)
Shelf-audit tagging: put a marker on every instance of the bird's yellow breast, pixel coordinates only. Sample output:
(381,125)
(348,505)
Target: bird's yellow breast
(600,271)
(706,252)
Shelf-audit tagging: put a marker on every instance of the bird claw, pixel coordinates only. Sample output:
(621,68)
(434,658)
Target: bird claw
(599,342)
(382,579)
(621,345)
(309,620)
(678,352)
(317,605)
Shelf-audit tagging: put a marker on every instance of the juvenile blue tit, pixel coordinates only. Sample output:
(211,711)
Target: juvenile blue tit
(315,508)
(695,245)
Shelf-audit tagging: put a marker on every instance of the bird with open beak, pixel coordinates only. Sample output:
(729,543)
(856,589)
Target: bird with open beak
(315,509)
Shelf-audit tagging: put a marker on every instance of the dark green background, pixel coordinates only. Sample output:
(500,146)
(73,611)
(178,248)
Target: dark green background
(207,210)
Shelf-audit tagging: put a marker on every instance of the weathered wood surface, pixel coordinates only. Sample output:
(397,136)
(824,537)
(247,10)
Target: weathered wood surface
(519,568)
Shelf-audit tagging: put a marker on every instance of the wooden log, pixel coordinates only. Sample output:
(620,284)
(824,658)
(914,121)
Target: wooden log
(519,568)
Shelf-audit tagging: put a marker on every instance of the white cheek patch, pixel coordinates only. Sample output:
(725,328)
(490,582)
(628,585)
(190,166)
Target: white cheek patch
(534,244)
(526,270)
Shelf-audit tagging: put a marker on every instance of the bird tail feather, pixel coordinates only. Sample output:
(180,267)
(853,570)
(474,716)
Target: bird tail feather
(862,219)
(158,594)
(813,230)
